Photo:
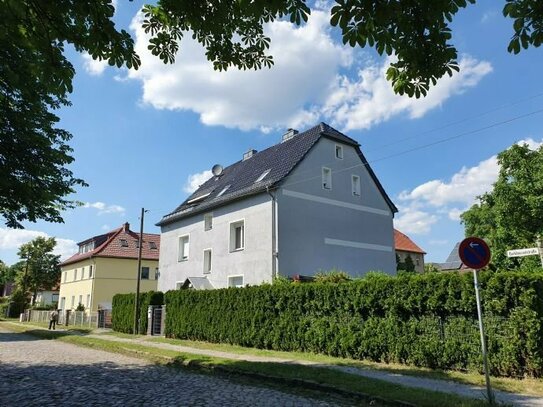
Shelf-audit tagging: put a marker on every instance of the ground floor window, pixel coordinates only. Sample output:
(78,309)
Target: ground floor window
(235,281)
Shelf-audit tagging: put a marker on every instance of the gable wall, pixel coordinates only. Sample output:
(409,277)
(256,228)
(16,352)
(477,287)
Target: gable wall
(254,262)
(317,228)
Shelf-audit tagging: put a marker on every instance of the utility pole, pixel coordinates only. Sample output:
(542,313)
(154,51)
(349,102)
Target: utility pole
(138,276)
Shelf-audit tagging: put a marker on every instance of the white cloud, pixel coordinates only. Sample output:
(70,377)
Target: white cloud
(12,239)
(452,197)
(92,66)
(369,99)
(307,83)
(412,220)
(104,208)
(195,180)
(463,187)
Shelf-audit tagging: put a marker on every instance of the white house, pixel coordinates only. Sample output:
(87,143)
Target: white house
(309,203)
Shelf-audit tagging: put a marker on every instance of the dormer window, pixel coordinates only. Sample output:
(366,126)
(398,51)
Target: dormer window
(263,175)
(124,243)
(223,191)
(339,152)
(152,246)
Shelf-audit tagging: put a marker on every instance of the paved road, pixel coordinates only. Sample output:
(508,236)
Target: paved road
(36,372)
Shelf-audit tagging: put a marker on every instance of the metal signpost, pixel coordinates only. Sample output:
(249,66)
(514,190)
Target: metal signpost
(530,251)
(475,254)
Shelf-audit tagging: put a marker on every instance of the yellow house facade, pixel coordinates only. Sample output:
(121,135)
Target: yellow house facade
(106,265)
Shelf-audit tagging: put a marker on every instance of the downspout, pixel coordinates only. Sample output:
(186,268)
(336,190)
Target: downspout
(92,286)
(275,253)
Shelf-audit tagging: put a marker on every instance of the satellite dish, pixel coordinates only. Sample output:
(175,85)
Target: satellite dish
(217,170)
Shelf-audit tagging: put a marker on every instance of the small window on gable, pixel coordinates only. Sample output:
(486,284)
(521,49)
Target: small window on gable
(124,243)
(237,236)
(183,248)
(355,184)
(339,152)
(263,175)
(326,178)
(152,246)
(207,261)
(208,221)
(223,191)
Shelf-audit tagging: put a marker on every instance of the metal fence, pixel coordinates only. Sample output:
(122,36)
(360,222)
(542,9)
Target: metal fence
(73,318)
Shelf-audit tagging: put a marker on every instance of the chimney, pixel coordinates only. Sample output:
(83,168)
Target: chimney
(249,154)
(126,227)
(289,134)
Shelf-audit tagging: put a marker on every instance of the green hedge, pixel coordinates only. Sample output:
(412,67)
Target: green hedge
(122,314)
(425,320)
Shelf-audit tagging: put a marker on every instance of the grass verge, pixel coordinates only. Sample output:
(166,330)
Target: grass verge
(304,376)
(529,386)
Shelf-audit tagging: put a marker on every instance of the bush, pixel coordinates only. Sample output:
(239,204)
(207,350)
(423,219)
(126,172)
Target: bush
(332,276)
(122,314)
(420,319)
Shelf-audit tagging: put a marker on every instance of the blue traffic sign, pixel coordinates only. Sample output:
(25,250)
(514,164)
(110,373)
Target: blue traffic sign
(474,252)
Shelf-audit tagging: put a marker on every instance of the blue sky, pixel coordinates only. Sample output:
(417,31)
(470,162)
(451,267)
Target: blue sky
(141,139)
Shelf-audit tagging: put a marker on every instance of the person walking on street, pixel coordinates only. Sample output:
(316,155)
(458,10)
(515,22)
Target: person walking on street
(53,318)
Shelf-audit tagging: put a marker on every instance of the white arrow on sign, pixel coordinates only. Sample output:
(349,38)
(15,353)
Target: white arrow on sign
(523,252)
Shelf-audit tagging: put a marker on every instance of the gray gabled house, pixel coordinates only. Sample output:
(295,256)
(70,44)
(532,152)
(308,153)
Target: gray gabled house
(309,203)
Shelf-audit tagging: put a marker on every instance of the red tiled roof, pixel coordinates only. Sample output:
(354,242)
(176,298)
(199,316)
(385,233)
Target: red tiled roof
(403,243)
(112,246)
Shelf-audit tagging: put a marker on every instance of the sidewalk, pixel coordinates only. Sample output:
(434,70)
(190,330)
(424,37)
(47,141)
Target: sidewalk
(444,386)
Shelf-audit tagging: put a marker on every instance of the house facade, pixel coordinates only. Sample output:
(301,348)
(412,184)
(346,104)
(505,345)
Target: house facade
(106,265)
(308,204)
(405,247)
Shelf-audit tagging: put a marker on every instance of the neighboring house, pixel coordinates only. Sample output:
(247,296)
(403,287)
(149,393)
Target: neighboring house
(406,247)
(48,297)
(107,265)
(453,262)
(309,203)
(7,289)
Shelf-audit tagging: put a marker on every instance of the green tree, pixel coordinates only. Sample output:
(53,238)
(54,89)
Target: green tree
(39,268)
(510,216)
(36,77)
(7,273)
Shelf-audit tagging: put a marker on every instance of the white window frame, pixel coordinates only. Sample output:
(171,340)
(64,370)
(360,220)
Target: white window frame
(208,264)
(75,274)
(232,235)
(355,185)
(73,301)
(88,300)
(338,148)
(326,181)
(223,191)
(80,300)
(229,278)
(208,221)
(180,249)
(90,271)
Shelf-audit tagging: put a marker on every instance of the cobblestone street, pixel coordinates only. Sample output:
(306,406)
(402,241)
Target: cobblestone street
(37,372)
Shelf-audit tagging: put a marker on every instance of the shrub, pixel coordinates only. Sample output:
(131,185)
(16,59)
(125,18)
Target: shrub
(421,319)
(122,314)
(332,276)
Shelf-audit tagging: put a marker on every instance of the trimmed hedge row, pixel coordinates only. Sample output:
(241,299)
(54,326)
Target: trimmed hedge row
(425,320)
(122,314)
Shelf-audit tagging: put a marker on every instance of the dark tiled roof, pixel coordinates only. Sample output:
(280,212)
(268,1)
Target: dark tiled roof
(453,262)
(402,242)
(240,177)
(112,247)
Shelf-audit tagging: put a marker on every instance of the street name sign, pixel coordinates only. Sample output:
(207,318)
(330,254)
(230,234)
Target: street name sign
(523,252)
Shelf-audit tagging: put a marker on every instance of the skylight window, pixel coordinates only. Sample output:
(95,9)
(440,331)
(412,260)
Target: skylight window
(198,198)
(223,191)
(263,175)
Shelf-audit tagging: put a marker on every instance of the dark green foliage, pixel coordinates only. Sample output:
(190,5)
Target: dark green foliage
(332,276)
(420,319)
(122,315)
(511,215)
